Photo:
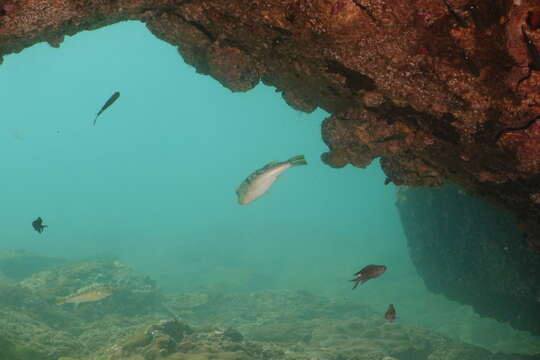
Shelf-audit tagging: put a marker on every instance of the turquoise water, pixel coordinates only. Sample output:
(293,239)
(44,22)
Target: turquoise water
(153,183)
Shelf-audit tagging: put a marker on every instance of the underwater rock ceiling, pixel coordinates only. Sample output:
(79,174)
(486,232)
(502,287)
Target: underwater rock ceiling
(438,90)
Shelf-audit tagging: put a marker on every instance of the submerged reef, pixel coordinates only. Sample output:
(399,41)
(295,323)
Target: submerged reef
(354,339)
(10,351)
(32,319)
(277,324)
(436,90)
(131,293)
(473,253)
(259,326)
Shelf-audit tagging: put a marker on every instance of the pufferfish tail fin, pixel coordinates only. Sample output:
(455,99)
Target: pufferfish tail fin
(297,160)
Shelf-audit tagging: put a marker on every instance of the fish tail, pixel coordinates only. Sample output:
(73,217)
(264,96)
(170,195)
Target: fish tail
(96,119)
(297,160)
(356,283)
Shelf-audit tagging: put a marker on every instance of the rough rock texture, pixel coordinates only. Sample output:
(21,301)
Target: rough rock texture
(355,339)
(287,325)
(437,90)
(34,327)
(473,253)
(294,325)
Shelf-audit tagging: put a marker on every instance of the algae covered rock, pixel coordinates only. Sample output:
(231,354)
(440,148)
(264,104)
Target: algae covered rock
(11,351)
(155,342)
(132,293)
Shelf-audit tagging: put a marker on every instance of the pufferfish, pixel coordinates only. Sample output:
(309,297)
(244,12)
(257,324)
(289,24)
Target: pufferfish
(258,183)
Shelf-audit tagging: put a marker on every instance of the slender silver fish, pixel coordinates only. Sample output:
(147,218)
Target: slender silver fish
(109,102)
(258,183)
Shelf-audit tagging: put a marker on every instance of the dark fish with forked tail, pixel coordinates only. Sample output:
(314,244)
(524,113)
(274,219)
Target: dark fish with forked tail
(38,225)
(390,314)
(109,102)
(367,273)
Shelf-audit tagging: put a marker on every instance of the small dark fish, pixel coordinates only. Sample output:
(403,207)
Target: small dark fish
(38,225)
(367,273)
(390,314)
(109,102)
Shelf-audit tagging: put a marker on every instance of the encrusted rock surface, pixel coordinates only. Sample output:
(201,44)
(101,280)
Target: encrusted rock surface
(288,325)
(438,91)
(472,253)
(355,339)
(278,324)
(34,327)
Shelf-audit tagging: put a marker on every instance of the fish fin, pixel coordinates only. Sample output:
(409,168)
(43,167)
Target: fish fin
(297,160)
(96,119)
(356,282)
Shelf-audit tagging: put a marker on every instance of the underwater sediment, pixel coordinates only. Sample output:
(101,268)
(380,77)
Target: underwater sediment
(138,322)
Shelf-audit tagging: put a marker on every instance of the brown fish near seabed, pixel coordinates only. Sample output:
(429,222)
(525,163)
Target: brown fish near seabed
(87,294)
(367,273)
(390,314)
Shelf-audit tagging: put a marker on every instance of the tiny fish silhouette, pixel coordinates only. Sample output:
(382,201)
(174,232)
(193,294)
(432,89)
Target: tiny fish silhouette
(390,314)
(38,225)
(109,102)
(367,273)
